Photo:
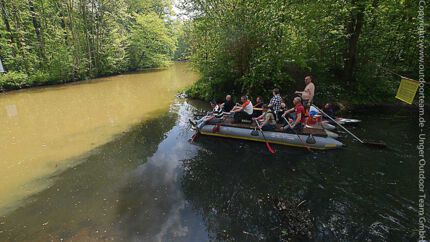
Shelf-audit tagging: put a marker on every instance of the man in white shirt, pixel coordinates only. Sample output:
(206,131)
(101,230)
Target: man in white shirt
(243,111)
(214,117)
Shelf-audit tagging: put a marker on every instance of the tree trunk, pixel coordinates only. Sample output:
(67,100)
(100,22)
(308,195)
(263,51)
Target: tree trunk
(18,36)
(36,26)
(87,33)
(74,41)
(354,29)
(4,15)
(62,21)
(6,22)
(7,25)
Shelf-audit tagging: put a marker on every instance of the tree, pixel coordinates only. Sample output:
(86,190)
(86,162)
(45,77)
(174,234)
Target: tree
(151,45)
(52,41)
(248,47)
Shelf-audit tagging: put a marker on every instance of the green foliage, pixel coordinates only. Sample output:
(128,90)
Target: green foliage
(248,47)
(152,45)
(39,78)
(159,7)
(13,80)
(205,90)
(183,32)
(55,41)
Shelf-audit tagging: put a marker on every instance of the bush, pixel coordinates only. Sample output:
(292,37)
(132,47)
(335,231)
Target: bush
(200,90)
(13,80)
(39,78)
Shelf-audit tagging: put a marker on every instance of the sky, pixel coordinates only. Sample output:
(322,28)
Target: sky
(181,14)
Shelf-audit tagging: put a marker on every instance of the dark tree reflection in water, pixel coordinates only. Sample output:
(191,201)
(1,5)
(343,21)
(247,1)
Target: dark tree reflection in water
(352,194)
(152,184)
(245,196)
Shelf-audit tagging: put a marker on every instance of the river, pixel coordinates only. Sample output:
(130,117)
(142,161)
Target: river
(110,159)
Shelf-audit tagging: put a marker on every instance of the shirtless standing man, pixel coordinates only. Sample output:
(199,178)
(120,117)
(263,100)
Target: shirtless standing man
(309,92)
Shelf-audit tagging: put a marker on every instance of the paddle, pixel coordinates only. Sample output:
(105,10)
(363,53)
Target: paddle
(265,140)
(379,144)
(194,137)
(307,147)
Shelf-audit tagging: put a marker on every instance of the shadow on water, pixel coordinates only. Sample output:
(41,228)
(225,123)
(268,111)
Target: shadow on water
(84,200)
(151,184)
(354,194)
(244,194)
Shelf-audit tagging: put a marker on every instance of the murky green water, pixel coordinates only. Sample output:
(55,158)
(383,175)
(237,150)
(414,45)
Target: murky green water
(149,183)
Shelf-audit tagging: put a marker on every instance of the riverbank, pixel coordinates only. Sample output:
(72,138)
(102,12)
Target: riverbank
(11,81)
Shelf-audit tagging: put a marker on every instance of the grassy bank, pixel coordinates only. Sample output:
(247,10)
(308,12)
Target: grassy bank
(15,81)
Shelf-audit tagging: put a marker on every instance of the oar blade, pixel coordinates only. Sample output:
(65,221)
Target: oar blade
(376,144)
(194,138)
(270,148)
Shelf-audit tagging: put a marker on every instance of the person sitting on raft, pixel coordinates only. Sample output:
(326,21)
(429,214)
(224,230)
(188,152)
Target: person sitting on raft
(330,110)
(281,111)
(228,105)
(266,121)
(214,117)
(243,111)
(298,116)
(259,102)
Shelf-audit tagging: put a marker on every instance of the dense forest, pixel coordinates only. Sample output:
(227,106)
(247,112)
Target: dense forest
(240,47)
(54,41)
(349,47)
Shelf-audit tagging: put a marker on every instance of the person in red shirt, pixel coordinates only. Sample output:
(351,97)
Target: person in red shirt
(298,115)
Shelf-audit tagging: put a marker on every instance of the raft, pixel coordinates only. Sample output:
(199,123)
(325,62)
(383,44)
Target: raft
(321,141)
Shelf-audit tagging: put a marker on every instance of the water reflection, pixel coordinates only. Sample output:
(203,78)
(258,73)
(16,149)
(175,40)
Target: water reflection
(151,184)
(82,204)
(44,129)
(354,194)
(152,202)
(246,195)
